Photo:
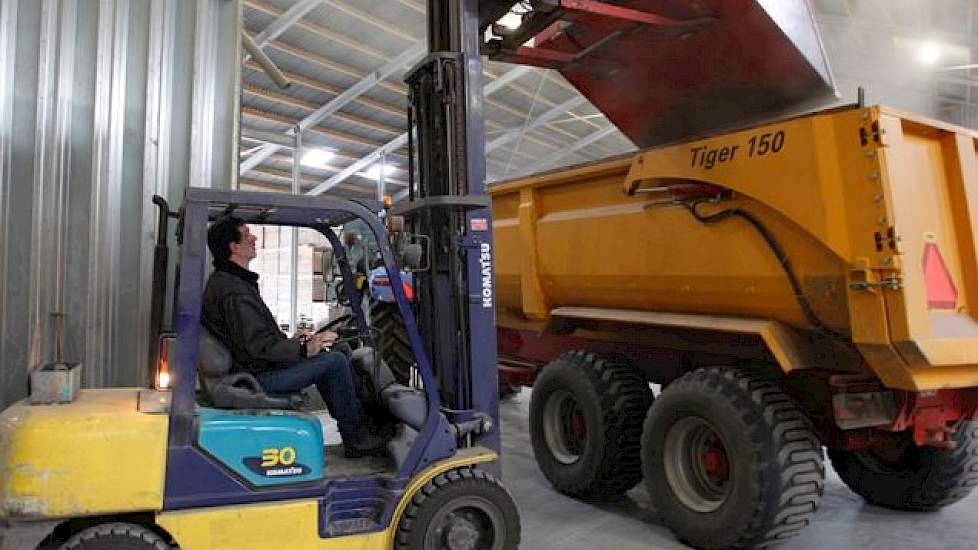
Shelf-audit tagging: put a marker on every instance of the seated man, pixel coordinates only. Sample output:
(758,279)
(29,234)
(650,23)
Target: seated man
(234,312)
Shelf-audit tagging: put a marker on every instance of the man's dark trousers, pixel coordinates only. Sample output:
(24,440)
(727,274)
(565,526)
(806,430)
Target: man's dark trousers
(330,372)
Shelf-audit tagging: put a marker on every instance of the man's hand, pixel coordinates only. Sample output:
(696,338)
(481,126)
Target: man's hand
(326,337)
(320,342)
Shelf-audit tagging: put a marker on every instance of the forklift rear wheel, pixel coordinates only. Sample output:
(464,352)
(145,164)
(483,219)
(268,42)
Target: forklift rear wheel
(116,536)
(908,477)
(731,460)
(463,509)
(586,416)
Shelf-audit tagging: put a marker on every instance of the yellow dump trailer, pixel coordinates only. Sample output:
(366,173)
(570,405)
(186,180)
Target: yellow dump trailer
(804,283)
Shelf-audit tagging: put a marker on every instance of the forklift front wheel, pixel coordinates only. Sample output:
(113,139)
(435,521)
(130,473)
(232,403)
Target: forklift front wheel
(463,509)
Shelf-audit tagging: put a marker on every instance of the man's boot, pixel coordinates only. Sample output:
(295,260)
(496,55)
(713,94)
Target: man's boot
(365,445)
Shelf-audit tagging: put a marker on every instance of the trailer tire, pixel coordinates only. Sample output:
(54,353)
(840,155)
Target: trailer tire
(921,479)
(731,460)
(395,347)
(467,507)
(586,425)
(116,536)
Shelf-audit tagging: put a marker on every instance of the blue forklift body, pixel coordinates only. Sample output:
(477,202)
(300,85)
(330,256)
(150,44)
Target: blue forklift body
(264,448)
(211,457)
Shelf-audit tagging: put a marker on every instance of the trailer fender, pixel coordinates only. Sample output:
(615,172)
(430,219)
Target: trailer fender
(785,345)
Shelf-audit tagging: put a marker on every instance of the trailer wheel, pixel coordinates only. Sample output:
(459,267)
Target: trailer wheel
(116,536)
(586,425)
(395,347)
(731,460)
(911,477)
(463,509)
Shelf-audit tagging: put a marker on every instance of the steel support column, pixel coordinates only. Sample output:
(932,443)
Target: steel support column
(294,248)
(107,180)
(52,158)
(381,177)
(216,94)
(8,77)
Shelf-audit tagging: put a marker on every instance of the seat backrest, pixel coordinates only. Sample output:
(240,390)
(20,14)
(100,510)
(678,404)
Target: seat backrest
(213,359)
(233,391)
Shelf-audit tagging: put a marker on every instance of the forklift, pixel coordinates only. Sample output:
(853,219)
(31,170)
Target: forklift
(206,459)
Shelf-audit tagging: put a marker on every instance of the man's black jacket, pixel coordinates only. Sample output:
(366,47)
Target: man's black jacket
(235,313)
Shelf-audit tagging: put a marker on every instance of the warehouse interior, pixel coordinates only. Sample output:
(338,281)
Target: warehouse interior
(106,104)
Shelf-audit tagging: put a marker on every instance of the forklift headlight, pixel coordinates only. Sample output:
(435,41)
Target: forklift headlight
(162,378)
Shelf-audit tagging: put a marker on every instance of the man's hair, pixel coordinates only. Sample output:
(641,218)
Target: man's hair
(222,233)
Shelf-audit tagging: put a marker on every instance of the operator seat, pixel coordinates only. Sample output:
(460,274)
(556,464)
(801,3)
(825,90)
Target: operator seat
(407,405)
(227,390)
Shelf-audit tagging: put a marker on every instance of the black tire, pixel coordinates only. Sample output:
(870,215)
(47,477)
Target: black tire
(731,461)
(116,536)
(460,504)
(586,425)
(395,347)
(916,479)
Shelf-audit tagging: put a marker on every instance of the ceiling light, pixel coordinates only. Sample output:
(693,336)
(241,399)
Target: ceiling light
(317,158)
(928,53)
(374,171)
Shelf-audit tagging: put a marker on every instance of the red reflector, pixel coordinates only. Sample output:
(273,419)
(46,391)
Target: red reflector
(941,292)
(382,281)
(408,290)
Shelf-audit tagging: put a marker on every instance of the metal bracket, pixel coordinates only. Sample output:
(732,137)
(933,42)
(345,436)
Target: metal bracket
(430,59)
(889,283)
(547,14)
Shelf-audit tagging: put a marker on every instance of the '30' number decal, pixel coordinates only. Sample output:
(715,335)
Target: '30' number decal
(275,457)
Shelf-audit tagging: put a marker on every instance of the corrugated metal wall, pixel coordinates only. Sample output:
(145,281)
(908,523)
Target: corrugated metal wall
(102,104)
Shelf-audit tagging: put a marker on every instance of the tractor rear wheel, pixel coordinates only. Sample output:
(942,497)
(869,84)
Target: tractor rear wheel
(395,347)
(116,536)
(731,460)
(586,416)
(911,477)
(463,509)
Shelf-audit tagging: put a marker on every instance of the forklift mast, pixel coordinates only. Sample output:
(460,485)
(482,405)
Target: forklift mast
(448,204)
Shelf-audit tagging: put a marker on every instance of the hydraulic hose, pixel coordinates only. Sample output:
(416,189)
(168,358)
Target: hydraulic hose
(779,253)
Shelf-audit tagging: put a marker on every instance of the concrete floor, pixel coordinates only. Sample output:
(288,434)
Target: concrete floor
(553,521)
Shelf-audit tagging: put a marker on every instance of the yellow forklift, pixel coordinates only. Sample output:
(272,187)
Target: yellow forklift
(207,459)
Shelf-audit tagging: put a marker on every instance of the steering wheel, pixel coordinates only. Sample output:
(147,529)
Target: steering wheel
(335,322)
